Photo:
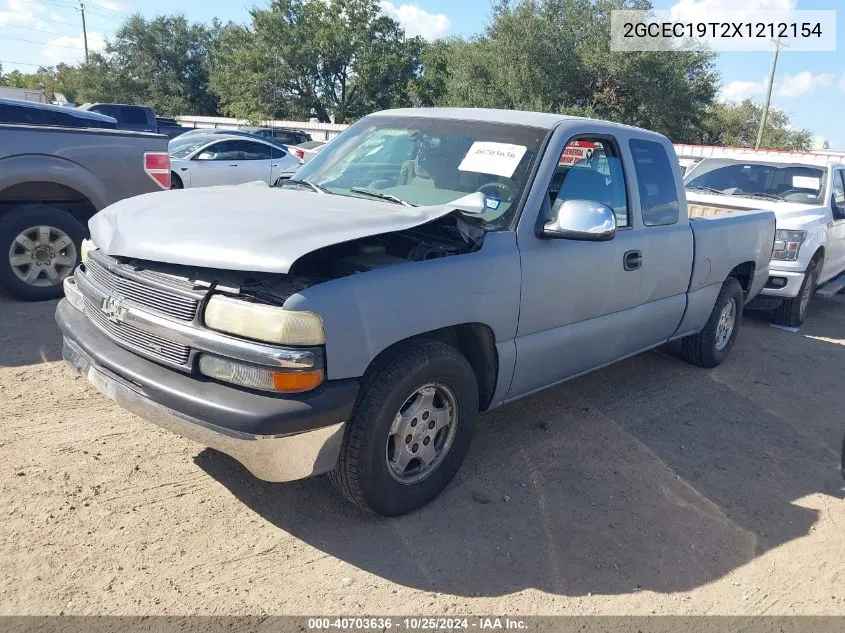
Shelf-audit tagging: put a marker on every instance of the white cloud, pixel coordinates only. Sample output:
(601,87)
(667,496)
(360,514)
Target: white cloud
(804,83)
(70,49)
(741,90)
(20,12)
(842,83)
(417,21)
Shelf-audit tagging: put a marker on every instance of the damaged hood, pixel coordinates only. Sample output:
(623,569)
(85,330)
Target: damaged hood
(244,227)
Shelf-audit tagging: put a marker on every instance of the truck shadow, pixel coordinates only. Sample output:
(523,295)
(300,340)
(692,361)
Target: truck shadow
(28,332)
(650,475)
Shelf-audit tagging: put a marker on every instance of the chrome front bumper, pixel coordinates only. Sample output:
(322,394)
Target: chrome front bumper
(270,458)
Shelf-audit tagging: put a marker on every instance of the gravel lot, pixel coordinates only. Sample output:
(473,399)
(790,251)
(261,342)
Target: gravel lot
(649,487)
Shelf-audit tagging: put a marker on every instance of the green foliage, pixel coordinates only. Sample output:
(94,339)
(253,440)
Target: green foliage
(554,56)
(338,59)
(342,59)
(737,124)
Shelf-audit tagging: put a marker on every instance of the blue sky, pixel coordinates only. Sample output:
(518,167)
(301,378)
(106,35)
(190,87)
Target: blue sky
(810,86)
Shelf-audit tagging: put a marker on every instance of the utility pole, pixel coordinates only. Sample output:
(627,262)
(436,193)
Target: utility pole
(768,95)
(84,30)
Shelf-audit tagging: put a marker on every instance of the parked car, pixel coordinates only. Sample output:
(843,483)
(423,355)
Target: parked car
(53,179)
(137,118)
(205,160)
(234,132)
(34,113)
(170,127)
(308,150)
(436,263)
(281,135)
(808,199)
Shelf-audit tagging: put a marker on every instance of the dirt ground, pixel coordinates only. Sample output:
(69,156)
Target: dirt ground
(652,487)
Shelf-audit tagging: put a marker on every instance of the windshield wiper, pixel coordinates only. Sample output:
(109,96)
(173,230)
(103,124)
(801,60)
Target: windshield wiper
(707,189)
(297,181)
(382,196)
(767,196)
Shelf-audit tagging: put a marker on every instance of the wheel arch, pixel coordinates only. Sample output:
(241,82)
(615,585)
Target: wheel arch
(48,193)
(475,341)
(744,274)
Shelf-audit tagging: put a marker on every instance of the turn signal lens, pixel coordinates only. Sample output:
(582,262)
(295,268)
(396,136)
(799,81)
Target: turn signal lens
(262,378)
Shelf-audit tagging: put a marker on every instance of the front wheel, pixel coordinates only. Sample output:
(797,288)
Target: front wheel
(792,312)
(410,430)
(713,344)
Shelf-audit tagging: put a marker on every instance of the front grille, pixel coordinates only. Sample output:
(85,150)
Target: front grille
(130,336)
(148,296)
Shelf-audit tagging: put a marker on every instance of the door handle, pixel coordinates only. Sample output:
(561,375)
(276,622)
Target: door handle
(234,165)
(632,260)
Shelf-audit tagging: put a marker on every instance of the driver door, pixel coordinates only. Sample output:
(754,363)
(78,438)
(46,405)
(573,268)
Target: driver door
(217,164)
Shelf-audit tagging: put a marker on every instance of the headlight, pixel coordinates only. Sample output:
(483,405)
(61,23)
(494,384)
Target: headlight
(262,322)
(85,248)
(787,244)
(263,378)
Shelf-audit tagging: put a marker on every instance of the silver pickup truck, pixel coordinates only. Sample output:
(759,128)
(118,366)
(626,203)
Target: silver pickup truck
(431,265)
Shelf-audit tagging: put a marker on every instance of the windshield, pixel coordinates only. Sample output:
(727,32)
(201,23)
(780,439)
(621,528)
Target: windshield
(423,161)
(182,148)
(792,183)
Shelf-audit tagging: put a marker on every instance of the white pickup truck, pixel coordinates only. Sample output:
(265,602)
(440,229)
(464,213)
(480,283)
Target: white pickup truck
(807,196)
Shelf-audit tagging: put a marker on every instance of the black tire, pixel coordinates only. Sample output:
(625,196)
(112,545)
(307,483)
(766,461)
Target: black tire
(19,220)
(362,474)
(790,312)
(701,349)
(175,181)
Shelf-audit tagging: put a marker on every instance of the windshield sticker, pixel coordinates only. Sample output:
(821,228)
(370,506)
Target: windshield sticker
(806,182)
(497,159)
(493,203)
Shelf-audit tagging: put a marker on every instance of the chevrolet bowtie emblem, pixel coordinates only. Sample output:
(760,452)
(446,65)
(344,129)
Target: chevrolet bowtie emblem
(113,310)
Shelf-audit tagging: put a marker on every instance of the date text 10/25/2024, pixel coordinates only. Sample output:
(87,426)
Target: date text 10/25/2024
(491,623)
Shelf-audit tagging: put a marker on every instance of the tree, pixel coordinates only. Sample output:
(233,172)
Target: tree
(162,63)
(554,56)
(736,125)
(335,59)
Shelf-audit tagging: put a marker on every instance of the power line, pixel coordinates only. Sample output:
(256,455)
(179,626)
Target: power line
(9,61)
(21,39)
(31,28)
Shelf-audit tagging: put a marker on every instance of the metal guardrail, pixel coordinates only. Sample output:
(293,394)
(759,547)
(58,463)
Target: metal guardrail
(318,131)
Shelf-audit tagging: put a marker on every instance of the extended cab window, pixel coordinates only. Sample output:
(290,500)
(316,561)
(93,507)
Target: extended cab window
(590,169)
(655,183)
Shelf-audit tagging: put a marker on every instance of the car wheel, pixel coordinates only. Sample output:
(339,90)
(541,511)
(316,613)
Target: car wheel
(410,430)
(39,248)
(713,344)
(792,312)
(175,181)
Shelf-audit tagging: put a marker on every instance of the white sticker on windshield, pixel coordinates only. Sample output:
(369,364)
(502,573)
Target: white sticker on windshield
(806,182)
(497,159)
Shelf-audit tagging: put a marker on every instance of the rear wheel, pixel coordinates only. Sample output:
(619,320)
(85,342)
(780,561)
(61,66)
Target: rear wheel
(792,312)
(411,429)
(175,181)
(39,247)
(713,344)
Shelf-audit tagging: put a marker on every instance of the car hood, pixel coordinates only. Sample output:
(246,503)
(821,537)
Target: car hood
(249,227)
(790,215)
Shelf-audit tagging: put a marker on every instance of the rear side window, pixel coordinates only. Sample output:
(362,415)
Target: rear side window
(253,151)
(133,116)
(277,153)
(655,182)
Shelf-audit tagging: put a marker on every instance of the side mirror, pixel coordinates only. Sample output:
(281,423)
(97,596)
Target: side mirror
(204,156)
(581,220)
